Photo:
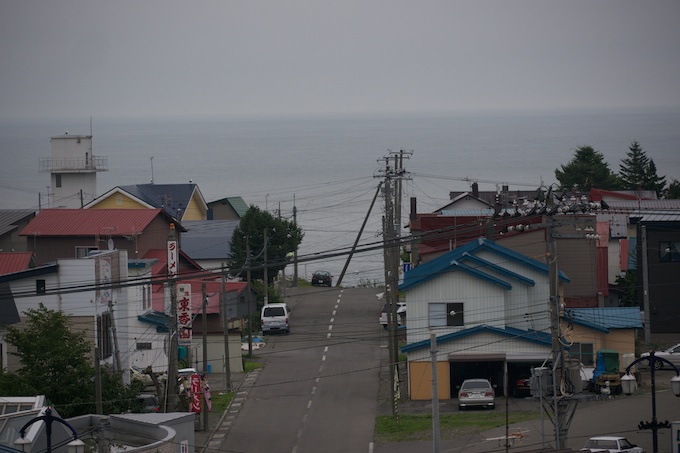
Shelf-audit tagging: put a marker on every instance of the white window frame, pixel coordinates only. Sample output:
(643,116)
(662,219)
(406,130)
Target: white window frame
(439,314)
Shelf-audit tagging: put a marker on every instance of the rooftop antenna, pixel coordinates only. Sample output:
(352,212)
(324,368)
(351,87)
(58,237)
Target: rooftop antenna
(151,169)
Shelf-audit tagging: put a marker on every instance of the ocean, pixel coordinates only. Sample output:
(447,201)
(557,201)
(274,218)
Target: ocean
(329,167)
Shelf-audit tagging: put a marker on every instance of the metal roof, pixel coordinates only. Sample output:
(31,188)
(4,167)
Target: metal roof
(90,222)
(605,319)
(532,336)
(469,212)
(645,205)
(170,197)
(11,262)
(10,217)
(453,261)
(208,239)
(237,204)
(657,216)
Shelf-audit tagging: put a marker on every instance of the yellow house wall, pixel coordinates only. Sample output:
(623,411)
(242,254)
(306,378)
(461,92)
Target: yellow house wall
(195,211)
(622,340)
(420,380)
(111,202)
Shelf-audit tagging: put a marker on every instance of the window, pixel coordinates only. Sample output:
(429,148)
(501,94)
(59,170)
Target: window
(583,352)
(146,297)
(669,252)
(143,346)
(57,180)
(446,314)
(103,336)
(119,200)
(40,287)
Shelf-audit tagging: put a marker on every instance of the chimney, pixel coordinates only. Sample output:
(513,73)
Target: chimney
(475,190)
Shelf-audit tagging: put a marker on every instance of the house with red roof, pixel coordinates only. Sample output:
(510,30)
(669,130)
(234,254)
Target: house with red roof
(74,233)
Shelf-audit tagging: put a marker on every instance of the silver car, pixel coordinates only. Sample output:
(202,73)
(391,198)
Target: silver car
(476,393)
(671,354)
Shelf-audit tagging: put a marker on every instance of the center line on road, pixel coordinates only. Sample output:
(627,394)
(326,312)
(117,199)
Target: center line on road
(330,327)
(332,319)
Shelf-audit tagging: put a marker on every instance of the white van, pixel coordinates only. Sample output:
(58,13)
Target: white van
(275,318)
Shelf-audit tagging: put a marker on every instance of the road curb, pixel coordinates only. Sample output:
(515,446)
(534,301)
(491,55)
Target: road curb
(221,430)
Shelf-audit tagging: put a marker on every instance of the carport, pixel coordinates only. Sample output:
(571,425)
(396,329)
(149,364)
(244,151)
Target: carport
(491,367)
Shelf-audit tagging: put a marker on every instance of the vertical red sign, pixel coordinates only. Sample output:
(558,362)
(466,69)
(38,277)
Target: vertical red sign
(195,393)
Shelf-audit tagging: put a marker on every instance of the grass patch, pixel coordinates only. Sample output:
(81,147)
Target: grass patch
(419,427)
(220,401)
(250,365)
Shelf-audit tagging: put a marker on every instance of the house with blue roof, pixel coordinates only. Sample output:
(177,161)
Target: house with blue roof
(588,330)
(489,307)
(180,201)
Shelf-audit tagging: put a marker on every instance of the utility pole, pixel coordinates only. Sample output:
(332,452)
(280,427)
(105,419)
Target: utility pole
(388,239)
(435,394)
(645,286)
(98,382)
(295,252)
(266,281)
(204,329)
(554,310)
(114,334)
(250,303)
(172,328)
(225,326)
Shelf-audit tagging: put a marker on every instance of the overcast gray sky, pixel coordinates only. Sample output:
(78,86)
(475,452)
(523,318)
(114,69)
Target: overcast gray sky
(73,58)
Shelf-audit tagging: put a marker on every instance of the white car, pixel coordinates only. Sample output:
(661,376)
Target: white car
(611,444)
(476,393)
(671,354)
(401,312)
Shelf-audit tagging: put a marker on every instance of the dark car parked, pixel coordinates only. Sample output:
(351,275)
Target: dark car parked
(322,278)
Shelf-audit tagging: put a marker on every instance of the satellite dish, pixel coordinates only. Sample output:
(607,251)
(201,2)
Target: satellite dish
(110,244)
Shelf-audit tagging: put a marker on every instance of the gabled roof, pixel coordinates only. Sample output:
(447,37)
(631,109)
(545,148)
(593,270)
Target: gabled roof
(237,204)
(484,205)
(8,308)
(208,239)
(11,262)
(32,272)
(454,261)
(532,336)
(605,319)
(170,197)
(91,222)
(213,288)
(9,218)
(160,267)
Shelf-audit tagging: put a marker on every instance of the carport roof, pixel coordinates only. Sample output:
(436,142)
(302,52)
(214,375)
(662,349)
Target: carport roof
(605,319)
(532,336)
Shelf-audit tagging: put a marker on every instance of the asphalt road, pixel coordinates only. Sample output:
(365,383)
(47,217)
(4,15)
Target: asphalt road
(318,390)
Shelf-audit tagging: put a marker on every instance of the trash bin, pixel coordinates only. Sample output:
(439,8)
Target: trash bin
(209,368)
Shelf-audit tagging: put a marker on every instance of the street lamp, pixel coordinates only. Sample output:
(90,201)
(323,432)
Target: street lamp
(628,385)
(48,418)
